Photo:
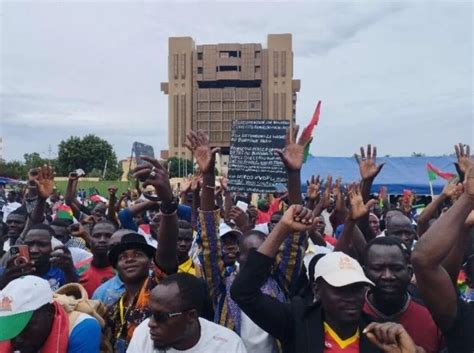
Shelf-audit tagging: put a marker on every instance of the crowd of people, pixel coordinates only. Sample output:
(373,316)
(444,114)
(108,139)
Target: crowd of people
(332,270)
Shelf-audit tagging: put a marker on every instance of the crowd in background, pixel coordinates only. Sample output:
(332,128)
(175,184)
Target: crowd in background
(202,269)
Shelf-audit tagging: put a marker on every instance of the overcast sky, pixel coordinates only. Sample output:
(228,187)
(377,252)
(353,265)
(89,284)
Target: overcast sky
(396,74)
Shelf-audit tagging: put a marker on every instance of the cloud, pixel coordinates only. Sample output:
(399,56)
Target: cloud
(397,74)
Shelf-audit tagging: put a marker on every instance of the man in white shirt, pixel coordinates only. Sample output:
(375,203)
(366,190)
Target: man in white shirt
(16,222)
(11,205)
(175,325)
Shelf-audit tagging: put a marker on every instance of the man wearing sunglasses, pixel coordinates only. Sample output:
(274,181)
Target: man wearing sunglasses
(175,325)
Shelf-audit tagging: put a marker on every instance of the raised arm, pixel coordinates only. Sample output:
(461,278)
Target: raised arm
(439,293)
(464,162)
(184,188)
(44,184)
(431,210)
(209,219)
(111,213)
(290,258)
(268,313)
(196,185)
(154,174)
(70,197)
(126,215)
(339,213)
(123,197)
(292,157)
(369,170)
(358,209)
(313,191)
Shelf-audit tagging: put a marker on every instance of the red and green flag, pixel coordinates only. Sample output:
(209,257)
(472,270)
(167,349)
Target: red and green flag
(64,212)
(434,173)
(308,130)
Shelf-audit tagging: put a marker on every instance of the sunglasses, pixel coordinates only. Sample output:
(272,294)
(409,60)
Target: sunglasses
(163,317)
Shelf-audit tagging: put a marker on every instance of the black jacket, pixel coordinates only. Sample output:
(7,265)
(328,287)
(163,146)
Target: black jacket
(297,325)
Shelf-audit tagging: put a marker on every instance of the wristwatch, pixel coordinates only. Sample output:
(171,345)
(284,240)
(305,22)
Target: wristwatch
(169,207)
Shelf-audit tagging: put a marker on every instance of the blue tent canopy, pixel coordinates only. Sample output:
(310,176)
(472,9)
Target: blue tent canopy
(399,173)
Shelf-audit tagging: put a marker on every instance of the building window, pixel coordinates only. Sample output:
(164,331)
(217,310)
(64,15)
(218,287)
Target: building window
(257,69)
(257,54)
(199,70)
(229,54)
(228,68)
(200,56)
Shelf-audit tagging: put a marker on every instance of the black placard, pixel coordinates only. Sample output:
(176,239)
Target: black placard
(253,165)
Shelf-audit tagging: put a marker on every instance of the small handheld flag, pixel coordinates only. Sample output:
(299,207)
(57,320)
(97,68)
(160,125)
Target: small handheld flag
(308,130)
(434,173)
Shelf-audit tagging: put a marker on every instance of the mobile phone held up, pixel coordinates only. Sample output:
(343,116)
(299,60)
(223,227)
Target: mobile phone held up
(140,150)
(22,252)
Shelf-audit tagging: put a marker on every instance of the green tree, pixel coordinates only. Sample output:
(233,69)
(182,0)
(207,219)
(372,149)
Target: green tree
(13,169)
(89,153)
(178,167)
(34,160)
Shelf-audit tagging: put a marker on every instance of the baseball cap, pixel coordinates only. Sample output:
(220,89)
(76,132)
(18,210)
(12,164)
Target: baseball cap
(18,300)
(339,269)
(225,229)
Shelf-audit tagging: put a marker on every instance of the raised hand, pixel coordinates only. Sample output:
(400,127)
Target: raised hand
(338,195)
(196,183)
(73,176)
(367,165)
(199,145)
(326,199)
(154,174)
(314,186)
(451,190)
(61,258)
(224,183)
(469,183)
(240,218)
(185,185)
(293,153)
(390,338)
(43,178)
(298,218)
(358,209)
(463,155)
(15,269)
(112,190)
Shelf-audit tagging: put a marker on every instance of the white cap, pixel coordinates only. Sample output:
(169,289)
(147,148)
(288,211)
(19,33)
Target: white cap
(18,300)
(224,229)
(24,294)
(339,269)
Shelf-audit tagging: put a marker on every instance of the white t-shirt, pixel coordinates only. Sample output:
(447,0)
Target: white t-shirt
(255,339)
(214,339)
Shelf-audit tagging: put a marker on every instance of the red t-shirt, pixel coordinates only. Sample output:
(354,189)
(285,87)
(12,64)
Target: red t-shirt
(334,344)
(330,240)
(419,324)
(263,217)
(93,277)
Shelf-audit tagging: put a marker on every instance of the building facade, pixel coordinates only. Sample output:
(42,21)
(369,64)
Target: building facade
(211,85)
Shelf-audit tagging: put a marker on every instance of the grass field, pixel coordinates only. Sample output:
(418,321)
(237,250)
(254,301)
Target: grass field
(99,185)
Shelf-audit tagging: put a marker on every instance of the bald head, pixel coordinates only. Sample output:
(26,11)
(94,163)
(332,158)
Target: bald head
(400,226)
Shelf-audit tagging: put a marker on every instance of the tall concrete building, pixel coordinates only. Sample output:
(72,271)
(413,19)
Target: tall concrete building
(211,85)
